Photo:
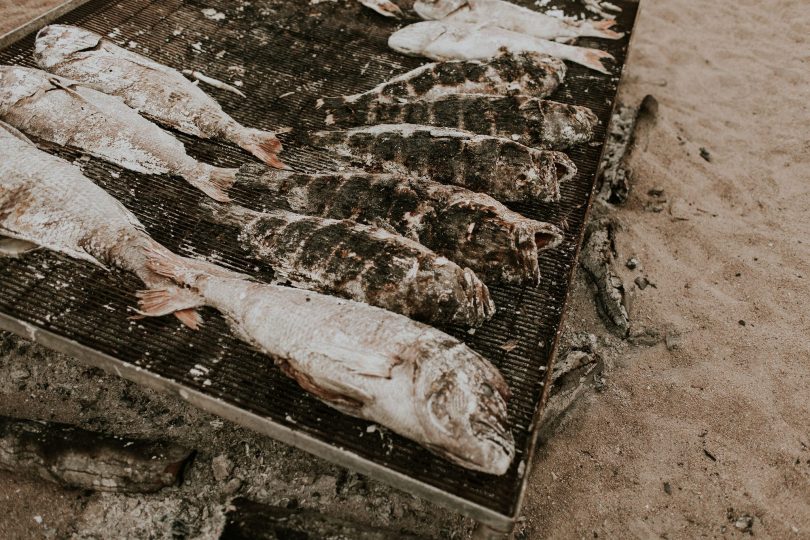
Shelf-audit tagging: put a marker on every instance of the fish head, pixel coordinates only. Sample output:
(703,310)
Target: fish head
(56,42)
(415,38)
(462,410)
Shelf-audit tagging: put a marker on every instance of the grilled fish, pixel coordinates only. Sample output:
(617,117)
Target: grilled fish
(472,229)
(453,40)
(502,168)
(69,114)
(361,262)
(528,74)
(530,121)
(157,91)
(515,18)
(362,360)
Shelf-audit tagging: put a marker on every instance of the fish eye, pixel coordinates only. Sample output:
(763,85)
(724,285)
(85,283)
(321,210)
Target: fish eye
(487,390)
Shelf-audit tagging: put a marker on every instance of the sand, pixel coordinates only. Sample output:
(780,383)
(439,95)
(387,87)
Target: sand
(680,443)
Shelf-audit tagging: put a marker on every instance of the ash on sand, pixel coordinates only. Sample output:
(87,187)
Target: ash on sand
(36,383)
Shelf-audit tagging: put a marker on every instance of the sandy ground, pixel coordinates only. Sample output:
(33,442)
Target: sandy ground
(681,443)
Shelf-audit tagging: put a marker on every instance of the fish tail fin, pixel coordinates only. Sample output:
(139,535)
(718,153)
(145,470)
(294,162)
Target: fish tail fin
(330,102)
(603,29)
(386,8)
(478,295)
(213,181)
(262,144)
(564,168)
(228,214)
(592,58)
(179,301)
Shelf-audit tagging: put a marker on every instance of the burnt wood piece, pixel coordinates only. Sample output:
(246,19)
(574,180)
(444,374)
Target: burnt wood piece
(531,121)
(472,229)
(77,458)
(249,520)
(630,133)
(497,166)
(598,258)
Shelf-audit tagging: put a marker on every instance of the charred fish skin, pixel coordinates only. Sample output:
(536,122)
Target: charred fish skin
(500,167)
(472,229)
(66,113)
(533,122)
(528,74)
(157,91)
(363,263)
(365,361)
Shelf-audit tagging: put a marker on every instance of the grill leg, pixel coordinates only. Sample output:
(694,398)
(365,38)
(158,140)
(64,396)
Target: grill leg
(485,532)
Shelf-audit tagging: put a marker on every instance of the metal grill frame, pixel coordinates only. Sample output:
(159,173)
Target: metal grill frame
(34,329)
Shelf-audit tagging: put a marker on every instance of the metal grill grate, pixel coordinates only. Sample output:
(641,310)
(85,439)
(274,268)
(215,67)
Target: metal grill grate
(302,52)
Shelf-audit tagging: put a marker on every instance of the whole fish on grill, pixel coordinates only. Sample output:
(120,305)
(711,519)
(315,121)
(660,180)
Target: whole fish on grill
(515,18)
(530,121)
(454,40)
(527,74)
(361,262)
(362,360)
(472,229)
(156,91)
(64,112)
(500,167)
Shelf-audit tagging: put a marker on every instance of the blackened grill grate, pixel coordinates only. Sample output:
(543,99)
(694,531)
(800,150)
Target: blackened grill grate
(292,53)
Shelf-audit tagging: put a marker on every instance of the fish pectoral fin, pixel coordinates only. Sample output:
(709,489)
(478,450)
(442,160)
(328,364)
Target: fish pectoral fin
(180,301)
(14,247)
(364,363)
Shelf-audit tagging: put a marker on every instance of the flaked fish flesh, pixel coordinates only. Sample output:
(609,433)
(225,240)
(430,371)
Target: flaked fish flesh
(453,40)
(500,167)
(157,91)
(472,229)
(515,18)
(530,121)
(527,74)
(365,361)
(64,112)
(361,262)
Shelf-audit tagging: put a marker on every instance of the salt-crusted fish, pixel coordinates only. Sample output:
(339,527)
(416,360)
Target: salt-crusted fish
(527,74)
(157,91)
(365,361)
(530,121)
(452,40)
(500,167)
(66,113)
(361,262)
(472,229)
(515,18)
